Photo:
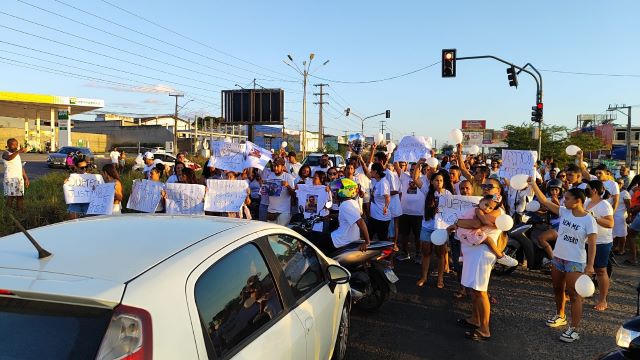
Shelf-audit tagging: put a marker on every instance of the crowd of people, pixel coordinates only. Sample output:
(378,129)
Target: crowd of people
(591,211)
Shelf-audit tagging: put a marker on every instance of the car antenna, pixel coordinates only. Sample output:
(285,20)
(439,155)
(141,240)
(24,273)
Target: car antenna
(42,253)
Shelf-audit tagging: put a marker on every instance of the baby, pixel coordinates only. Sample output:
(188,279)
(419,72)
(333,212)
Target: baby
(475,237)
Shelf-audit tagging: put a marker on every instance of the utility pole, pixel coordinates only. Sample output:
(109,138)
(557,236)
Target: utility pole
(320,103)
(628,135)
(175,123)
(382,126)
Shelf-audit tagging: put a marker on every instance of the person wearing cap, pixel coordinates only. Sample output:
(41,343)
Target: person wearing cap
(148,164)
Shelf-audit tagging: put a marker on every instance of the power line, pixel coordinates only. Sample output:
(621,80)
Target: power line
(377,80)
(589,73)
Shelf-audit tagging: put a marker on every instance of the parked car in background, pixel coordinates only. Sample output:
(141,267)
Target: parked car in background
(314,160)
(58,159)
(169,160)
(225,288)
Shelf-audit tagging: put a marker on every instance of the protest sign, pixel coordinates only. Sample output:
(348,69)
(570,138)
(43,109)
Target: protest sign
(227,156)
(186,199)
(225,195)
(311,198)
(145,195)
(102,199)
(450,207)
(516,162)
(412,149)
(256,156)
(78,188)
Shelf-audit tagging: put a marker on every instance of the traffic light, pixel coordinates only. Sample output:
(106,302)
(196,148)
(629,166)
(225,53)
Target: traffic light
(513,78)
(387,114)
(347,111)
(536,113)
(448,63)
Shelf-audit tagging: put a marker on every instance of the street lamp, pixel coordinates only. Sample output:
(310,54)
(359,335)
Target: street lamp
(348,112)
(305,73)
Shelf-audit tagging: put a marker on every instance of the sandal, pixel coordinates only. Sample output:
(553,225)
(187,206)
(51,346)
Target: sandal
(476,336)
(466,324)
(440,284)
(421,282)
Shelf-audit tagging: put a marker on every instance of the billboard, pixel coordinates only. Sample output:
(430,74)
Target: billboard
(474,124)
(249,106)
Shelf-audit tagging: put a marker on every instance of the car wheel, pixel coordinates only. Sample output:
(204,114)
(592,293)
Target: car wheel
(340,348)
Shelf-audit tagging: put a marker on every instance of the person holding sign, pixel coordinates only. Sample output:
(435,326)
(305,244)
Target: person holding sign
(110,175)
(439,185)
(15,177)
(577,229)
(279,186)
(78,209)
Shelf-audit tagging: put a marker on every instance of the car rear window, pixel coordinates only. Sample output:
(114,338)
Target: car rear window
(312,161)
(43,330)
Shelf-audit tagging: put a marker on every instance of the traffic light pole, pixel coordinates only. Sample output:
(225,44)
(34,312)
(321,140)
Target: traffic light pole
(537,78)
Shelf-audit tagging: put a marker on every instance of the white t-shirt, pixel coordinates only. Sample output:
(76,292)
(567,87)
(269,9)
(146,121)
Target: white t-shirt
(316,168)
(378,191)
(281,203)
(602,208)
(613,189)
(114,155)
(572,236)
(172,179)
(347,231)
(622,208)
(519,197)
(13,168)
(293,168)
(431,223)
(412,199)
(365,185)
(394,182)
(582,186)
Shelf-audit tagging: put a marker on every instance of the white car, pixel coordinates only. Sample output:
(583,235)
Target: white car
(170,287)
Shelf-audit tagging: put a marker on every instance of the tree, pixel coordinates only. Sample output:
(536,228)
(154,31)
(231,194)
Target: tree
(447,149)
(555,140)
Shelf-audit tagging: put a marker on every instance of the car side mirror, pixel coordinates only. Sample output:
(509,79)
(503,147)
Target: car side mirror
(337,274)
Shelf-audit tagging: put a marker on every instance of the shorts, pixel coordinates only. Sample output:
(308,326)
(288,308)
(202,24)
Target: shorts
(567,266)
(13,186)
(635,224)
(425,234)
(602,255)
(80,209)
(410,224)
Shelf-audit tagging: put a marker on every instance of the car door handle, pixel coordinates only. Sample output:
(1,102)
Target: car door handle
(308,324)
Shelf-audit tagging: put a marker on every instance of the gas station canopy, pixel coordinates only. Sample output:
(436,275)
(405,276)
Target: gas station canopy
(32,106)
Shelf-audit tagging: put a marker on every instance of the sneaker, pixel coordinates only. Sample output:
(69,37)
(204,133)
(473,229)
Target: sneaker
(402,256)
(507,261)
(556,321)
(570,335)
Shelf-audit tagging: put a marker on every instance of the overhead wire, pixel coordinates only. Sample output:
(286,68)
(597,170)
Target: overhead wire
(377,80)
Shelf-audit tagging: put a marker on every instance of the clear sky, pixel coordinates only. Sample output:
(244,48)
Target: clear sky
(237,41)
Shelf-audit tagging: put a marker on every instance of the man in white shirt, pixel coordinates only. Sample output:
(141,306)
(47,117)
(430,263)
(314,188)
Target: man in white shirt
(603,174)
(324,165)
(293,166)
(148,164)
(115,157)
(280,187)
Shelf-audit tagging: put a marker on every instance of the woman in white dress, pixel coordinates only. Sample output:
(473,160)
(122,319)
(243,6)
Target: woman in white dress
(478,262)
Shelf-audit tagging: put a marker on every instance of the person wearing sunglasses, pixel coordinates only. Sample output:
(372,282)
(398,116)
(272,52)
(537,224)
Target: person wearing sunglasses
(78,210)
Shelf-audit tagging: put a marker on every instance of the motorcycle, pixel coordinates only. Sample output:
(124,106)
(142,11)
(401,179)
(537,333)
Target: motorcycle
(372,278)
(627,338)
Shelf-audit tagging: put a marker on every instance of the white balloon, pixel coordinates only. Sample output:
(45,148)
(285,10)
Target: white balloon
(379,139)
(456,136)
(572,150)
(284,144)
(432,162)
(584,286)
(533,206)
(519,182)
(474,149)
(439,237)
(390,147)
(504,222)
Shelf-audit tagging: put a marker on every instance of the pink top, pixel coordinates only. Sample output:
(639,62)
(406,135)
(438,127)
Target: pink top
(470,236)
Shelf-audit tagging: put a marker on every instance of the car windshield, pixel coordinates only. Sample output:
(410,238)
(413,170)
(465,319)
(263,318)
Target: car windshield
(43,330)
(65,150)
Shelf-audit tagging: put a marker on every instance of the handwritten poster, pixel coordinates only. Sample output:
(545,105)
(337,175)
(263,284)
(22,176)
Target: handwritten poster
(450,207)
(412,149)
(225,195)
(227,156)
(102,199)
(79,187)
(186,199)
(516,162)
(145,195)
(256,156)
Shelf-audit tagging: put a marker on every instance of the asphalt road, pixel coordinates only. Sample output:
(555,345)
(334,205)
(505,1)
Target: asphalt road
(419,323)
(37,165)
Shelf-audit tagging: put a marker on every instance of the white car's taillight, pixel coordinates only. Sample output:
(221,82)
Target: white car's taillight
(128,335)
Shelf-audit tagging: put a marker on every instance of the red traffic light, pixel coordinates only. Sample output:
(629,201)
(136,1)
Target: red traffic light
(539,105)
